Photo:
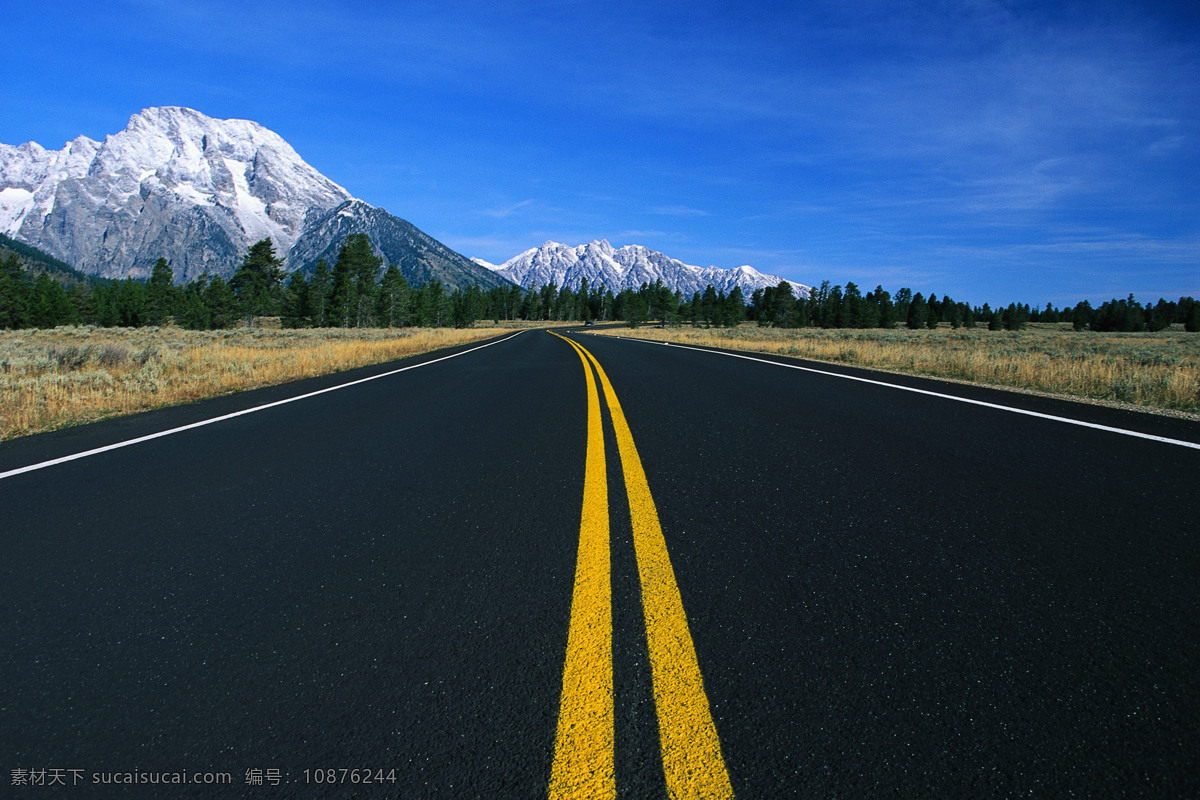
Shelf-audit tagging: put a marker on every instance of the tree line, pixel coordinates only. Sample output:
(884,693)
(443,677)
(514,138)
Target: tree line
(848,307)
(359,292)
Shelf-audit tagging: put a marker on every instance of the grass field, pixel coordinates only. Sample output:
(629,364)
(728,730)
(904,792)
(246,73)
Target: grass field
(53,378)
(1154,371)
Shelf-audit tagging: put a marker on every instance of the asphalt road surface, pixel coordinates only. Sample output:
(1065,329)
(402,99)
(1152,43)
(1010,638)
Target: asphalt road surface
(374,591)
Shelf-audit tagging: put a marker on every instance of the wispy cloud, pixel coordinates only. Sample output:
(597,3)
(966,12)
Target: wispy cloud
(506,211)
(679,211)
(642,236)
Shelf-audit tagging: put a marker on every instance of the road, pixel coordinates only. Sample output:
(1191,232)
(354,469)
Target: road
(884,592)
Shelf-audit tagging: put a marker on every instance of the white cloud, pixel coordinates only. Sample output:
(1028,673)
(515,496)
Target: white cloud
(506,211)
(679,211)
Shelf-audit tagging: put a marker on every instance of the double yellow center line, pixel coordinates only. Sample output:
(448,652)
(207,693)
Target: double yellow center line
(583,748)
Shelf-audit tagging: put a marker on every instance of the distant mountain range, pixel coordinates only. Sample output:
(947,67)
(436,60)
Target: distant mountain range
(627,268)
(199,191)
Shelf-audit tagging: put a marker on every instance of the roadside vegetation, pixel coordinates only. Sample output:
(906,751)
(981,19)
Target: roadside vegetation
(1159,370)
(68,375)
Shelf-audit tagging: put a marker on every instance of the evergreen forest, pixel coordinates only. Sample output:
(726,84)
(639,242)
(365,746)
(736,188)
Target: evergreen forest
(358,291)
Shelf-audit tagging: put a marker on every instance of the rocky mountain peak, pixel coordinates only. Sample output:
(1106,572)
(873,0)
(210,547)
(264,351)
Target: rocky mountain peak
(174,183)
(628,267)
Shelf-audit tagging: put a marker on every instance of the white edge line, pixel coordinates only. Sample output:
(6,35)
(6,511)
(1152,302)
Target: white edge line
(1067,420)
(223,417)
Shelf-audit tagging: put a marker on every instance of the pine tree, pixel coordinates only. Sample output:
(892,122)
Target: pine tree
(440,310)
(258,281)
(583,311)
(160,294)
(1191,322)
(193,311)
(1160,316)
(515,303)
(780,305)
(835,309)
(917,312)
(608,307)
(933,308)
(82,306)
(1081,316)
(663,305)
(547,300)
(564,304)
(104,301)
(855,313)
(393,310)
(352,304)
(802,318)
(968,316)
(467,306)
(708,306)
(15,291)
(528,310)
(595,302)
(887,311)
(1015,317)
(49,306)
(131,303)
(735,307)
(902,301)
(319,290)
(296,312)
(221,302)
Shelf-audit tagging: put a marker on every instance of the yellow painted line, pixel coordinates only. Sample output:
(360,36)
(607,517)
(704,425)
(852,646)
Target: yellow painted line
(583,747)
(691,751)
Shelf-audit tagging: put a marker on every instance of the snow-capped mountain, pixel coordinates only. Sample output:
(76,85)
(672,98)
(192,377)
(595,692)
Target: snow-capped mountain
(627,268)
(175,183)
(180,185)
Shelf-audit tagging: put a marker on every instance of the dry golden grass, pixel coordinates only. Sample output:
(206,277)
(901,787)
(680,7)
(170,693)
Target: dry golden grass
(1159,371)
(53,378)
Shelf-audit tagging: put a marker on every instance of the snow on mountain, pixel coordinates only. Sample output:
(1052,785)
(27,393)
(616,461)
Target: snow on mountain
(174,183)
(199,191)
(627,268)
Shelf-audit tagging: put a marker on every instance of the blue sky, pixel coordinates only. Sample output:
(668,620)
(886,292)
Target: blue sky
(993,151)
